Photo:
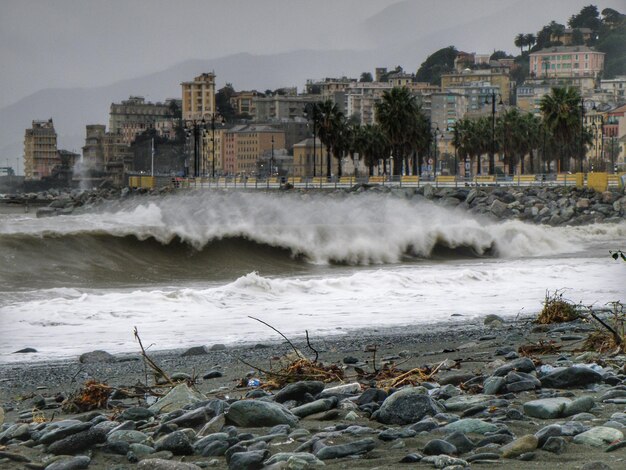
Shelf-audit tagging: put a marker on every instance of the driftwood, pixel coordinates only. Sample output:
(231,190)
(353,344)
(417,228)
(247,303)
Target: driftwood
(158,372)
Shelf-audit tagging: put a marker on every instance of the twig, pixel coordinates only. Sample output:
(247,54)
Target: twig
(277,331)
(615,334)
(150,362)
(311,347)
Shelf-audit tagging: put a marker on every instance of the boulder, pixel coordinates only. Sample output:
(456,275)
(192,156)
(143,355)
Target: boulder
(408,405)
(599,436)
(96,356)
(524,444)
(574,376)
(546,408)
(253,413)
(470,425)
(179,397)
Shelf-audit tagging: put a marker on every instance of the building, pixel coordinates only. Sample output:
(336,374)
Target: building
(447,108)
(281,107)
(615,87)
(567,36)
(467,77)
(529,96)
(243,146)
(40,150)
(136,115)
(243,103)
(309,159)
(93,150)
(361,99)
(199,97)
(478,96)
(566,61)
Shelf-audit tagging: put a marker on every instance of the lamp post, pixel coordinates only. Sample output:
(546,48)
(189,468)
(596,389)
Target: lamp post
(214,116)
(196,129)
(492,153)
(310,112)
(436,132)
(272,156)
(581,143)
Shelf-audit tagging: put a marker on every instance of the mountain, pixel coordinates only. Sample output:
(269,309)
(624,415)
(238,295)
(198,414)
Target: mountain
(73,108)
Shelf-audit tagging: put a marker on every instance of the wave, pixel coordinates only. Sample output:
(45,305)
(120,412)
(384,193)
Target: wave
(204,234)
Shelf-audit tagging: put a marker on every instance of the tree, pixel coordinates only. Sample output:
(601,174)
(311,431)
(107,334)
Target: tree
(372,145)
(530,39)
(440,62)
(589,17)
(560,110)
(329,118)
(497,55)
(577,37)
(400,119)
(557,30)
(366,77)
(520,41)
(222,102)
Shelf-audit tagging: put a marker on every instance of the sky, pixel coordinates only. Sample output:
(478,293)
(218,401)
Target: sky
(87,43)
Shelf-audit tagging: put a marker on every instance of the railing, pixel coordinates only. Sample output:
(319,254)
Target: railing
(443,181)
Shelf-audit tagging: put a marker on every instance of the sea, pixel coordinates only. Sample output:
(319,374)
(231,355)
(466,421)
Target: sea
(202,268)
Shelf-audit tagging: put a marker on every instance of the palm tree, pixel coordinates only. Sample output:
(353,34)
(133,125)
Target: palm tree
(560,110)
(371,143)
(397,113)
(530,40)
(520,41)
(329,119)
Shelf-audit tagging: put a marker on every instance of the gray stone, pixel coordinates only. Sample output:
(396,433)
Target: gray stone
(215,449)
(179,397)
(96,356)
(445,461)
(212,374)
(214,425)
(296,391)
(493,385)
(62,429)
(552,430)
(176,442)
(554,444)
(596,465)
(128,436)
(580,405)
(161,464)
(574,376)
(523,364)
(218,347)
(438,447)
(137,413)
(460,441)
(546,408)
(470,425)
(598,436)
(310,459)
(70,463)
(407,406)
(253,413)
(465,402)
(339,451)
(195,351)
(77,442)
(317,406)
(498,208)
(252,460)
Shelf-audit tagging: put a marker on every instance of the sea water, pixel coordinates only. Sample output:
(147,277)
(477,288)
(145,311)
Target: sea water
(192,269)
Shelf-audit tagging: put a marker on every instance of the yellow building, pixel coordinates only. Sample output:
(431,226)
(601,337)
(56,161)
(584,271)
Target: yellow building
(306,161)
(245,144)
(199,97)
(40,150)
(468,77)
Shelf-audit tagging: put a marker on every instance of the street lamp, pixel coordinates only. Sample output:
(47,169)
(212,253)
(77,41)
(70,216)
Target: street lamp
(272,156)
(310,112)
(436,132)
(214,116)
(582,129)
(196,129)
(492,154)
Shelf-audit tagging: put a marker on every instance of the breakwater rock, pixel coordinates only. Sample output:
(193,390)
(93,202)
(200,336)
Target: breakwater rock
(551,205)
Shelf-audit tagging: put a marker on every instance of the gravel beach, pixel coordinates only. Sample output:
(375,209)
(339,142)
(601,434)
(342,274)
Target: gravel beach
(486,406)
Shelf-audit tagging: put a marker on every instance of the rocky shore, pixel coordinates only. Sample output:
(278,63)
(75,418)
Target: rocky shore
(482,404)
(552,205)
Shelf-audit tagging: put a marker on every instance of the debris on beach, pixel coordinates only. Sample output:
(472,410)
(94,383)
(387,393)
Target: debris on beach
(556,309)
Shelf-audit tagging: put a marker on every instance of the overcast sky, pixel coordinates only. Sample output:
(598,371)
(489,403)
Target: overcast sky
(85,43)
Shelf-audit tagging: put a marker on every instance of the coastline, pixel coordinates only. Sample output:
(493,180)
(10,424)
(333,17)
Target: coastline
(471,349)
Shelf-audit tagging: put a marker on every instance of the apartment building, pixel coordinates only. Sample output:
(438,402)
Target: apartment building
(566,61)
(40,150)
(199,97)
(497,79)
(243,145)
(135,115)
